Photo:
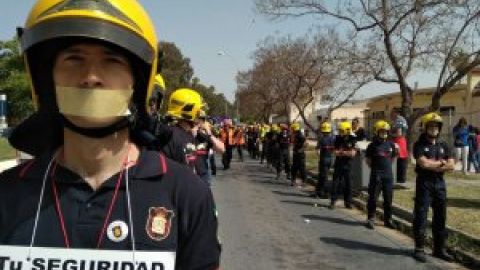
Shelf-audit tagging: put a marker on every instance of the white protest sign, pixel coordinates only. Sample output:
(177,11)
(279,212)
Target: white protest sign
(16,258)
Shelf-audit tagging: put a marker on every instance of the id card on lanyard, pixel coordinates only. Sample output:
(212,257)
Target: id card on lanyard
(37,258)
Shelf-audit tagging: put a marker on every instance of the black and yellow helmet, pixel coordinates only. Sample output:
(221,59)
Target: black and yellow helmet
(345,128)
(326,127)
(185,104)
(380,125)
(295,126)
(158,92)
(54,24)
(431,117)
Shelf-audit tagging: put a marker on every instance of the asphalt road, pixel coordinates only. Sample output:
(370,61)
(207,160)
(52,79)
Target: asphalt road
(267,224)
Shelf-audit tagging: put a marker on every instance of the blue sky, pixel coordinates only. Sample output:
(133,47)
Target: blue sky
(202,28)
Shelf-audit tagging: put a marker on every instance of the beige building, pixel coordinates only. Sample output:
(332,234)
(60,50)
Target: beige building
(348,111)
(461,101)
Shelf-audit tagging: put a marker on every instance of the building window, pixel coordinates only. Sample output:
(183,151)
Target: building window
(476,90)
(378,115)
(447,110)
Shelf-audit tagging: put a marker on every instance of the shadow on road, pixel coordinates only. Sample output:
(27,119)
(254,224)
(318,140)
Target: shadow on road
(355,245)
(301,203)
(334,220)
(259,176)
(270,182)
(290,194)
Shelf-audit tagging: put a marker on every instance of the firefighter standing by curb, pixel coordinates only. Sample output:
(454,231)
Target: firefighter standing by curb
(434,158)
(379,156)
(298,159)
(283,144)
(344,150)
(324,148)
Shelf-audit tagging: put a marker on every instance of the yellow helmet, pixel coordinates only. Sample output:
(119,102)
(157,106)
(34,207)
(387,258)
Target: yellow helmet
(202,114)
(275,128)
(431,117)
(326,127)
(345,128)
(295,126)
(160,83)
(54,24)
(380,125)
(185,104)
(158,93)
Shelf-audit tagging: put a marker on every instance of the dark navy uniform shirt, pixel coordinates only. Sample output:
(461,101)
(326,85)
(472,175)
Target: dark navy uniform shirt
(201,155)
(344,143)
(172,210)
(181,146)
(283,139)
(326,144)
(381,154)
(299,141)
(439,150)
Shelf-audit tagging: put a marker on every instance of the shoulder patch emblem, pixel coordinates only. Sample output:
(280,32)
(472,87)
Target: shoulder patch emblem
(159,223)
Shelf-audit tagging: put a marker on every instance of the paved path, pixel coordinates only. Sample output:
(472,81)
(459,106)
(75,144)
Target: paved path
(267,224)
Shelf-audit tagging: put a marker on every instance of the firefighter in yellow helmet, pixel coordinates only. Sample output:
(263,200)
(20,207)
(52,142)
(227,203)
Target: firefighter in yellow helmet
(324,148)
(158,123)
(158,94)
(206,143)
(265,128)
(379,156)
(184,108)
(282,155)
(344,150)
(92,64)
(299,142)
(434,158)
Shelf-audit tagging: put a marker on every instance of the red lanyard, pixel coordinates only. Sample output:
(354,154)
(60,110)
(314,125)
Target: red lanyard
(107,217)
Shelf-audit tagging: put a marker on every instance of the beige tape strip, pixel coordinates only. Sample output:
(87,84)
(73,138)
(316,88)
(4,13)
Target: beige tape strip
(96,103)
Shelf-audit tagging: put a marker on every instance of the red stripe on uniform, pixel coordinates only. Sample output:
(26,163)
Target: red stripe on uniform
(25,168)
(164,163)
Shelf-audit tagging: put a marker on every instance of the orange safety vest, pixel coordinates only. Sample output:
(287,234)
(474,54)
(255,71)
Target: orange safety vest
(239,139)
(223,135)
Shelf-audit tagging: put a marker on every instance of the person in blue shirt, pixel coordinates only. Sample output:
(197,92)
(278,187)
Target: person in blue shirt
(460,133)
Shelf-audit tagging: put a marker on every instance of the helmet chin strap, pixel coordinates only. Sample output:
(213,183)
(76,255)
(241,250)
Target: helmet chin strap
(97,133)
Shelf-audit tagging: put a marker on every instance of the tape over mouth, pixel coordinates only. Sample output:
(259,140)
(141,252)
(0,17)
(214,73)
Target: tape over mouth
(95,103)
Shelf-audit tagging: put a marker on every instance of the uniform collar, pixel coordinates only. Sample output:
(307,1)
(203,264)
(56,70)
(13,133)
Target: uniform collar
(150,164)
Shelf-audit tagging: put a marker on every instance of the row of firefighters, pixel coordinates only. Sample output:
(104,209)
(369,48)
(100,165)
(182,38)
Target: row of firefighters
(271,144)
(192,139)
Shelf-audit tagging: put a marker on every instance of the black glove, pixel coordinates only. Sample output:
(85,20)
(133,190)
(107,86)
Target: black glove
(202,137)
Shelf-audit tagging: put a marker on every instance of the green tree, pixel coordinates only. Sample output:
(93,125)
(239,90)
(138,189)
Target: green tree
(176,68)
(218,105)
(14,82)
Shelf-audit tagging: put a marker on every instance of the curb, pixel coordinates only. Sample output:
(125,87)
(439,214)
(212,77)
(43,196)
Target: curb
(403,220)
